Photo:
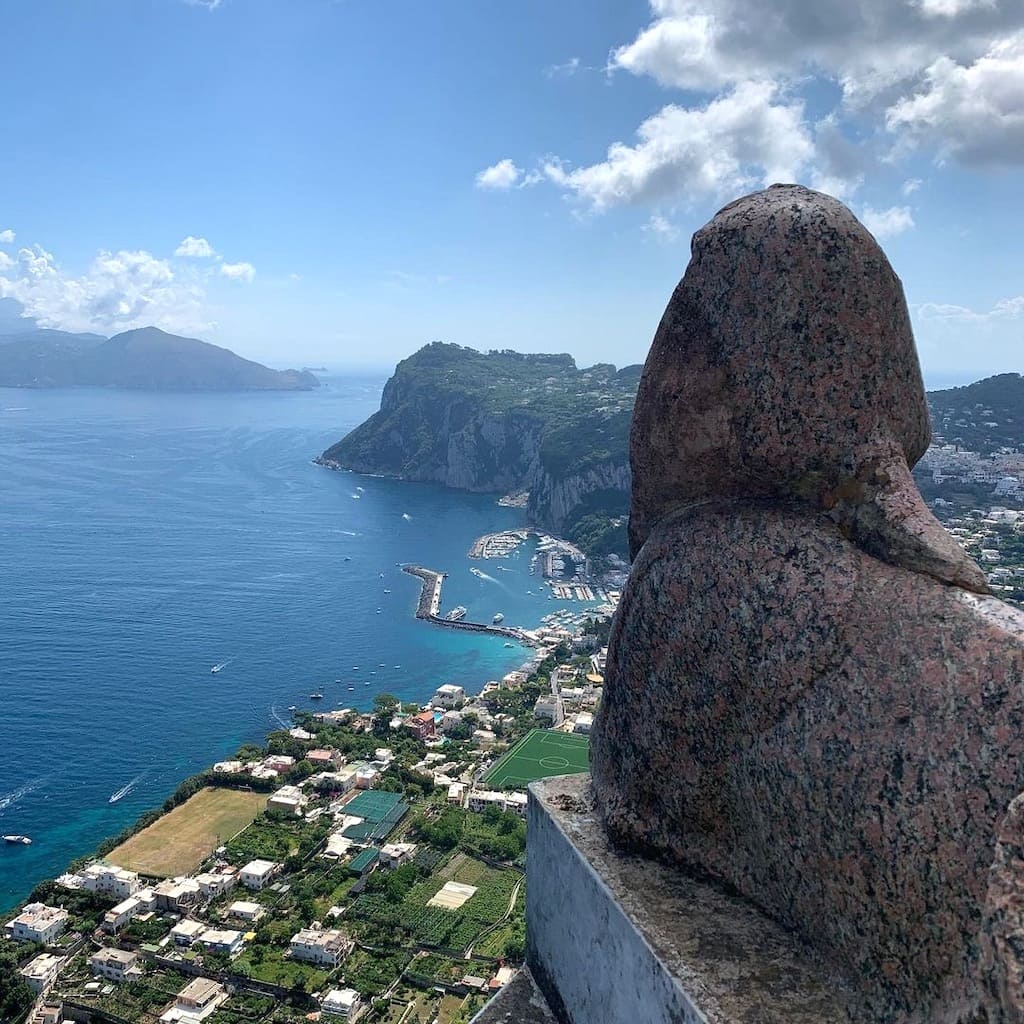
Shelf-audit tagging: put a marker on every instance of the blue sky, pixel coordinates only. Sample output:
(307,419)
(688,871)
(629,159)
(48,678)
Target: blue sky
(311,181)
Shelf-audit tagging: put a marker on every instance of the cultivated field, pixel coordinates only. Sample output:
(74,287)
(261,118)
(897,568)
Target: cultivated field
(179,841)
(538,755)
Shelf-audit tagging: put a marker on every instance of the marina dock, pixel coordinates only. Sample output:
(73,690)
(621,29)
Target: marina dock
(429,607)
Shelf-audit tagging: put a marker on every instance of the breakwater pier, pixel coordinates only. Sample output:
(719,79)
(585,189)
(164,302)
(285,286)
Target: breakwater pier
(429,607)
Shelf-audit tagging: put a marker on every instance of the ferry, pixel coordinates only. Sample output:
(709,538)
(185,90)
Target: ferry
(316,695)
(498,618)
(23,840)
(456,614)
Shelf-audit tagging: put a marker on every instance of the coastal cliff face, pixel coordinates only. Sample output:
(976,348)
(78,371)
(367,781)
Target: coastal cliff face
(503,421)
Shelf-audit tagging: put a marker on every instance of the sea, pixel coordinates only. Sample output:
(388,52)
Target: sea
(147,537)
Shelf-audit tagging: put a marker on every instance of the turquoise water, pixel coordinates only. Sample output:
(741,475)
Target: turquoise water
(145,538)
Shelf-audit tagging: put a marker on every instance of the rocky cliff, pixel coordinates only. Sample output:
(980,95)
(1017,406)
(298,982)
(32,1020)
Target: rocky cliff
(503,421)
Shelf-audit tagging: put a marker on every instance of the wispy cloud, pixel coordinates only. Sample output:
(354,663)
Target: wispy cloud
(6,236)
(887,223)
(570,67)
(238,271)
(1004,309)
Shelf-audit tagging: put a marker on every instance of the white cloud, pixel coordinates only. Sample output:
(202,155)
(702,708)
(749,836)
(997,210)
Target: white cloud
(238,271)
(196,248)
(661,228)
(865,45)
(910,186)
(973,112)
(210,5)
(6,237)
(5,261)
(119,291)
(951,8)
(887,223)
(739,140)
(1004,309)
(502,175)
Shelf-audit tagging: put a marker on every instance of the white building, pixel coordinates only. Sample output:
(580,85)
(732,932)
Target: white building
(110,881)
(115,964)
(222,940)
(480,799)
(216,883)
(38,923)
(127,910)
(394,855)
(584,723)
(195,1002)
(39,974)
(484,738)
(288,800)
(450,721)
(341,1002)
(177,893)
(550,707)
(257,873)
(245,911)
(187,932)
(317,946)
(366,777)
(456,793)
(449,696)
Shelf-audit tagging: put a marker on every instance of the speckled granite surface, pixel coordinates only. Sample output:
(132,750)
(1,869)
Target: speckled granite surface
(806,697)
(785,365)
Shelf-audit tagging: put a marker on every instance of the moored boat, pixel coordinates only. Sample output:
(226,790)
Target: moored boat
(23,840)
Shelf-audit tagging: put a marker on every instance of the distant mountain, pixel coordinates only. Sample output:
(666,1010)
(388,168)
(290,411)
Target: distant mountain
(147,358)
(983,416)
(505,421)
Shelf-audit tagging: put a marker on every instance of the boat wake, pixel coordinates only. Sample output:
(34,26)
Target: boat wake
(120,794)
(222,665)
(275,715)
(8,799)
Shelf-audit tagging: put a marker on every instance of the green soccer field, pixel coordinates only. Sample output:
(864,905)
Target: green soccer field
(538,755)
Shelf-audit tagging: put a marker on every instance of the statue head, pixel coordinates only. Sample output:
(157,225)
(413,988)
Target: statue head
(785,368)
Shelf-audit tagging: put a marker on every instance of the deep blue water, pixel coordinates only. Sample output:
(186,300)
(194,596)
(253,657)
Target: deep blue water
(146,537)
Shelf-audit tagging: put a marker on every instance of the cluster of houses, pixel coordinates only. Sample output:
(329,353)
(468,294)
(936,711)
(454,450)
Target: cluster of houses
(574,697)
(1002,470)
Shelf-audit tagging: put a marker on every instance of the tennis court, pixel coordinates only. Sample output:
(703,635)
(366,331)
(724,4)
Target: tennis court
(540,754)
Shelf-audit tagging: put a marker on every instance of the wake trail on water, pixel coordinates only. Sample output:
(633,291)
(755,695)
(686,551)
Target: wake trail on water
(11,798)
(120,794)
(277,718)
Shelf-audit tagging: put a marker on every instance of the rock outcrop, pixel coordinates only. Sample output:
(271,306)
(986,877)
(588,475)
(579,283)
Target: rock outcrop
(808,696)
(503,421)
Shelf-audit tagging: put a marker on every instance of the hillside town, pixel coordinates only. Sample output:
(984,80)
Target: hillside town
(979,497)
(361,866)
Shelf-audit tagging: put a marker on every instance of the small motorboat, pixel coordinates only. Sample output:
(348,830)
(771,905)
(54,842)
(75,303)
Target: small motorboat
(316,695)
(23,840)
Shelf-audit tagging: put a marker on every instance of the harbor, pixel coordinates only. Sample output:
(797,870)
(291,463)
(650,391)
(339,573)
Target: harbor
(429,605)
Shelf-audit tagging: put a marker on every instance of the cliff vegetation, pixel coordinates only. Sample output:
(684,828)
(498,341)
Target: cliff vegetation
(501,421)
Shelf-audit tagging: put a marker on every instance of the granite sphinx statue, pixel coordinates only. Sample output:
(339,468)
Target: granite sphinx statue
(809,695)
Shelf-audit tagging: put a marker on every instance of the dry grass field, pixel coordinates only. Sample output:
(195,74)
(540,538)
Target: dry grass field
(179,841)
